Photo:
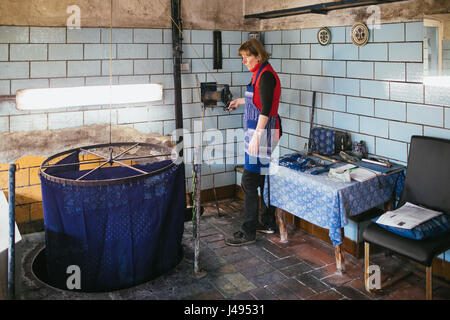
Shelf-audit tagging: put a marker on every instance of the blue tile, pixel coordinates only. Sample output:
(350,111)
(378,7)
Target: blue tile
(333,102)
(300,82)
(334,68)
(272,37)
(391,149)
(390,32)
(290,66)
(375,89)
(374,126)
(337,34)
(306,98)
(409,92)
(414,31)
(346,86)
(290,96)
(231,37)
(436,132)
(403,131)
(346,121)
(423,114)
(373,52)
(297,143)
(324,117)
(410,51)
(290,36)
(321,52)
(414,72)
(281,51)
(447,118)
(390,71)
(390,110)
(299,113)
(283,110)
(322,84)
(14,34)
(309,35)
(285,80)
(363,70)
(360,106)
(148,36)
(291,126)
(201,36)
(313,67)
(300,51)
(345,52)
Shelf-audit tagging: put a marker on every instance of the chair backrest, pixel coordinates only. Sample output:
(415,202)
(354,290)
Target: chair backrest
(427,180)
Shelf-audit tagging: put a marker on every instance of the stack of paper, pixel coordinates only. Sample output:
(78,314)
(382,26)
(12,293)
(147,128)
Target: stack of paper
(407,217)
(362,174)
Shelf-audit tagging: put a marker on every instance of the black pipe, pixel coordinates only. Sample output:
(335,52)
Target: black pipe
(321,8)
(177,54)
(12,233)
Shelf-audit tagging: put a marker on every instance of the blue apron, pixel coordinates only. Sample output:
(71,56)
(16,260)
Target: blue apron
(260,163)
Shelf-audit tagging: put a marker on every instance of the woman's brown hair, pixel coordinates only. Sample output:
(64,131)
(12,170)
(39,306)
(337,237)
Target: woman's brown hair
(255,48)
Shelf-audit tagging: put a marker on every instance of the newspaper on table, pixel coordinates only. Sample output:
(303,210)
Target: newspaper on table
(407,216)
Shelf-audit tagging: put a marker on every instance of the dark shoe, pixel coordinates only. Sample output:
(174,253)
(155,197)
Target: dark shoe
(239,239)
(264,228)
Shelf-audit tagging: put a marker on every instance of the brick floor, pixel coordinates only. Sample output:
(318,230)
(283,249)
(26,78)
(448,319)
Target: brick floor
(302,269)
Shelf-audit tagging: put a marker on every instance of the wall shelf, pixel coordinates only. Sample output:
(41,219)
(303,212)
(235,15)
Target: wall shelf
(320,8)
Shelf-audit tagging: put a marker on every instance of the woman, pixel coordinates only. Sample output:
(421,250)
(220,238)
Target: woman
(262,132)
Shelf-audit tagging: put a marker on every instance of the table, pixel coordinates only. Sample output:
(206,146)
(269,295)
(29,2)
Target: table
(323,201)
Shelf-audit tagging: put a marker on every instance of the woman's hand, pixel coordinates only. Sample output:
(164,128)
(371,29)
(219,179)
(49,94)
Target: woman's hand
(235,104)
(253,146)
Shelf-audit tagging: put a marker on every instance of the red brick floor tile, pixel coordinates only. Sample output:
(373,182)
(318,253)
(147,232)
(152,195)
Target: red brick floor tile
(312,282)
(257,270)
(407,293)
(282,292)
(296,270)
(267,278)
(249,263)
(298,288)
(352,293)
(312,255)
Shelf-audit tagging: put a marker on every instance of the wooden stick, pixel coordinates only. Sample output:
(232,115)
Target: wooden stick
(323,157)
(429,289)
(282,225)
(366,265)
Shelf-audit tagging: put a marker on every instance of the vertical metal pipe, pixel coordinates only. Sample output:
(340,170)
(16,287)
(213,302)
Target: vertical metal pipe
(177,54)
(197,207)
(12,232)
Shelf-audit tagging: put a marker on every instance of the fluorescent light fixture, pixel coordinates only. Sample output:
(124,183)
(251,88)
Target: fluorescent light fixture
(53,98)
(437,81)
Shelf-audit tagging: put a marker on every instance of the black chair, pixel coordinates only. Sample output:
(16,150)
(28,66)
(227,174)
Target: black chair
(427,183)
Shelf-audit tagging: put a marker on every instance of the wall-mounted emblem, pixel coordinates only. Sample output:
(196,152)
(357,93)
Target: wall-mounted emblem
(324,36)
(360,34)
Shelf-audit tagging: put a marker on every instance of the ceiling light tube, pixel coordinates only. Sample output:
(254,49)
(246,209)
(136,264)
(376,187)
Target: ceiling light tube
(54,98)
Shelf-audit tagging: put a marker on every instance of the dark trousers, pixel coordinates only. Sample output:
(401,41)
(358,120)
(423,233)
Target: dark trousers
(250,183)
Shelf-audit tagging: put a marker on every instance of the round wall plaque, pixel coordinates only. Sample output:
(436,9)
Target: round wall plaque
(324,36)
(360,34)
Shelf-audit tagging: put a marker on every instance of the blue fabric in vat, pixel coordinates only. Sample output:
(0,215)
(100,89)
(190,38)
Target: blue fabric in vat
(120,234)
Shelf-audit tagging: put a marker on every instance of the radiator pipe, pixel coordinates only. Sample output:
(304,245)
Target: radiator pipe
(177,54)
(197,207)
(12,232)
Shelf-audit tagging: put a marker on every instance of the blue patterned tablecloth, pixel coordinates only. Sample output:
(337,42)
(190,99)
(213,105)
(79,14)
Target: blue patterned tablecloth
(323,201)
